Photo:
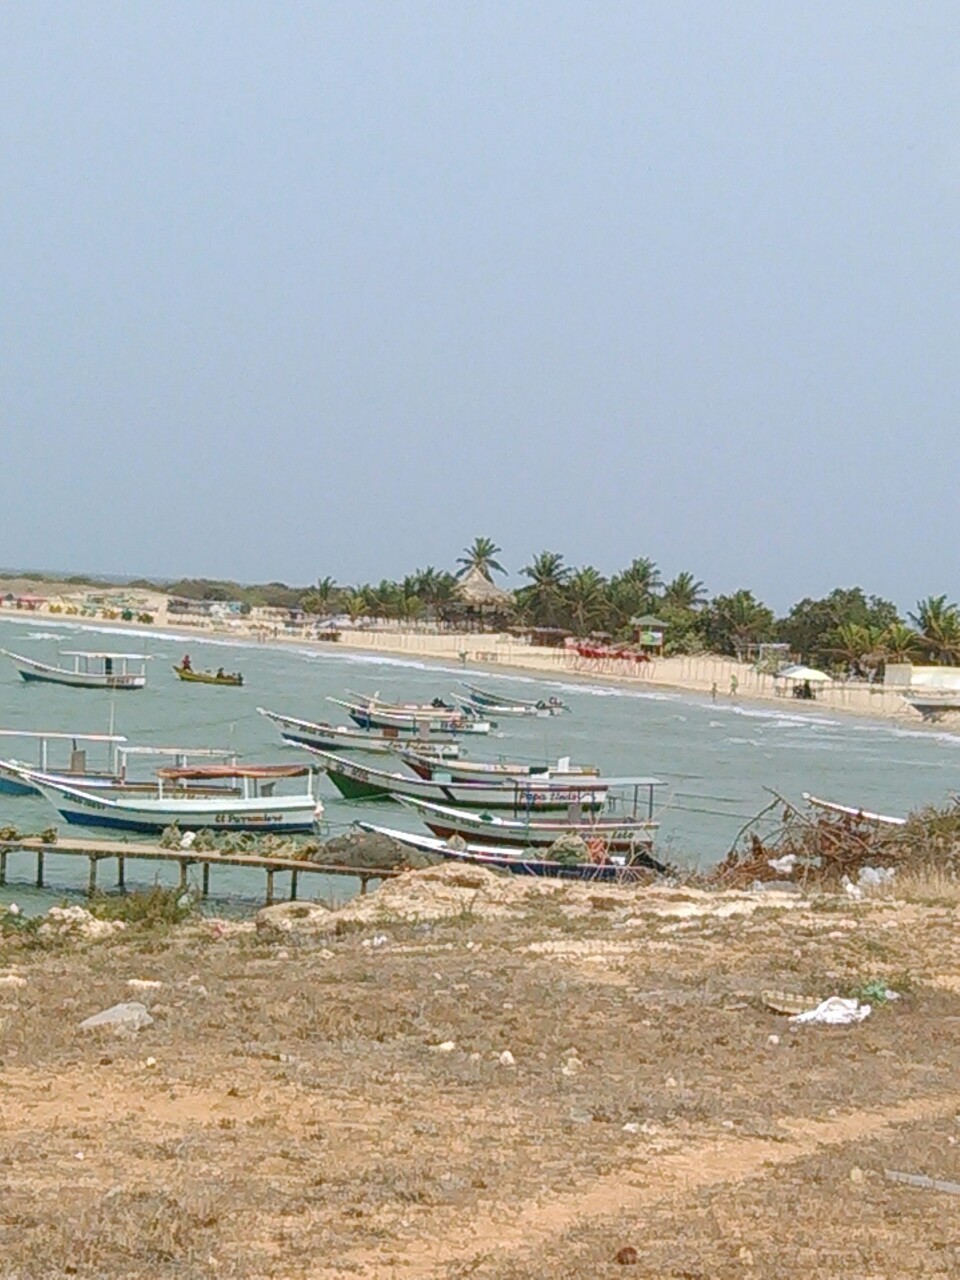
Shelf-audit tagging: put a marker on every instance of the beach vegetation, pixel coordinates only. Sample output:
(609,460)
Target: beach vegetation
(481,554)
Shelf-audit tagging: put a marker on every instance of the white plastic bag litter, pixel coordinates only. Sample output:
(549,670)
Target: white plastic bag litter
(835,1012)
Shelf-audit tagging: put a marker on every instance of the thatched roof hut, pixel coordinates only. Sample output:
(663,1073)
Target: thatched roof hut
(477,591)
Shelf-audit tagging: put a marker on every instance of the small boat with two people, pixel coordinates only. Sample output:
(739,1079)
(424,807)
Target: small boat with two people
(90,670)
(186,672)
(342,737)
(231,797)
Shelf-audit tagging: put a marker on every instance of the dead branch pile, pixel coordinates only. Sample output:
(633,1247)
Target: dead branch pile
(816,847)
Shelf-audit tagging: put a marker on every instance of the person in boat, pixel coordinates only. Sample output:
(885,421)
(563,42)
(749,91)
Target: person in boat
(185,664)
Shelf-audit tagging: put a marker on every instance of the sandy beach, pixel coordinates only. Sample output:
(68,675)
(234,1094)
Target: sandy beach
(709,675)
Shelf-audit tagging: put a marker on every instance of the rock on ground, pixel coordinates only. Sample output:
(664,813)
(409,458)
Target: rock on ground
(292,919)
(369,849)
(77,922)
(119,1017)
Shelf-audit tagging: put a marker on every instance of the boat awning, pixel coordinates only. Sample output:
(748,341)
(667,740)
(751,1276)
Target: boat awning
(262,771)
(65,737)
(91,653)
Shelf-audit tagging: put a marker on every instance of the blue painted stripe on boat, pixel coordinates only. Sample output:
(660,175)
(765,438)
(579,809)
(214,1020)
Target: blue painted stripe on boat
(79,819)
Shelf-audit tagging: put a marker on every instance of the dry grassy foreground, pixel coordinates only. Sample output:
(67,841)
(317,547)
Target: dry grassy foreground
(291,1114)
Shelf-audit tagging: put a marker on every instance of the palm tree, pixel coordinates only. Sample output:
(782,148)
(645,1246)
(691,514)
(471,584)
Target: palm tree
(939,627)
(481,554)
(319,598)
(853,643)
(585,595)
(543,599)
(899,643)
(355,604)
(433,586)
(631,591)
(685,592)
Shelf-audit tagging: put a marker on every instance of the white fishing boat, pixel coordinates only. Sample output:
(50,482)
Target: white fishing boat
(615,833)
(329,737)
(415,720)
(115,776)
(221,798)
(46,744)
(492,704)
(428,766)
(850,811)
(551,705)
(520,795)
(934,704)
(89,669)
(529,862)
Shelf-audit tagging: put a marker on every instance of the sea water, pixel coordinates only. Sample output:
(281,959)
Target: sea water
(719,760)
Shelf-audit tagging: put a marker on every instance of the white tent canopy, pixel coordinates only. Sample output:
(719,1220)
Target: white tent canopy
(798,672)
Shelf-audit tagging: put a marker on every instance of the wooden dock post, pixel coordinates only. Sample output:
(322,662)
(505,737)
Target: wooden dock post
(39,868)
(92,878)
(206,879)
(3,867)
(269,886)
(293,885)
(121,873)
(184,886)
(363,885)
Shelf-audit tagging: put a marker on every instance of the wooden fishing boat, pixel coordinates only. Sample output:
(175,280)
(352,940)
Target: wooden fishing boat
(229,798)
(619,834)
(329,737)
(356,782)
(846,810)
(934,704)
(116,777)
(77,768)
(524,863)
(499,704)
(416,721)
(90,670)
(428,766)
(187,674)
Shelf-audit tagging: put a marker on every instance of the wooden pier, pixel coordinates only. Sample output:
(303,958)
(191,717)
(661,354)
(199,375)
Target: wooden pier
(97,851)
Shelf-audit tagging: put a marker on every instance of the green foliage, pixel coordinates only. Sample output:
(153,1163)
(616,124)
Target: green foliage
(939,626)
(153,908)
(481,554)
(730,624)
(812,627)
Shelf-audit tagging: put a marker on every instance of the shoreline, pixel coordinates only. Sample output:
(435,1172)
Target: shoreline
(736,683)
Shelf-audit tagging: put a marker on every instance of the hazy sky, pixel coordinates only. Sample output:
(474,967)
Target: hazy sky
(291,289)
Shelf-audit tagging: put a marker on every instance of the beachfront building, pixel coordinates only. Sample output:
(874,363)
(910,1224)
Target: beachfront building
(478,604)
(649,634)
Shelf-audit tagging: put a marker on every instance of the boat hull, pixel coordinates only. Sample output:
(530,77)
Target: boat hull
(499,859)
(354,782)
(209,677)
(82,681)
(269,816)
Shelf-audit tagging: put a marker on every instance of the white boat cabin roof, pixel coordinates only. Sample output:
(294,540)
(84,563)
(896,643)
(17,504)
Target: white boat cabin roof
(64,737)
(105,653)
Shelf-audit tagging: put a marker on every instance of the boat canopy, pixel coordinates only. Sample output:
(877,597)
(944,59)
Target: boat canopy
(94,653)
(260,771)
(64,737)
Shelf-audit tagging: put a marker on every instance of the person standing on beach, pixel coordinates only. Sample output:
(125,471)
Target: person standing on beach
(713,691)
(734,686)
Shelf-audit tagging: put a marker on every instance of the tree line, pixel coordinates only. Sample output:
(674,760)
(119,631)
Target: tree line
(847,630)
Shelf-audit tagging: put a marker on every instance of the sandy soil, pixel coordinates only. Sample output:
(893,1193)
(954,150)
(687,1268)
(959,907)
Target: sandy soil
(326,1097)
(712,676)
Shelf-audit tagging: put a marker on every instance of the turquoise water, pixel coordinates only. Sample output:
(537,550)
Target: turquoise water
(716,758)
